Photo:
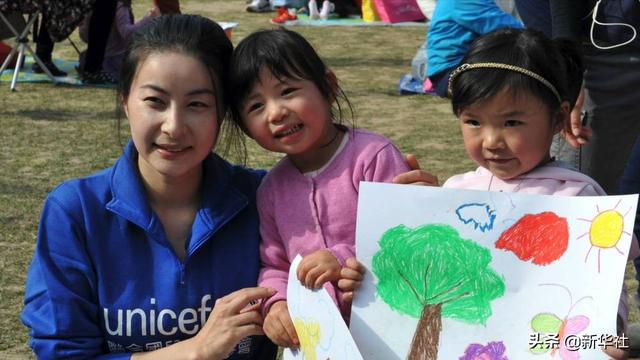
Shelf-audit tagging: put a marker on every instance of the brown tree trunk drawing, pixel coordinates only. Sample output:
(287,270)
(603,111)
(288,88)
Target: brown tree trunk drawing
(424,345)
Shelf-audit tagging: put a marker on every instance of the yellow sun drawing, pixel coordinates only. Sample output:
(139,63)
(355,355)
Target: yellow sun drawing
(309,336)
(606,230)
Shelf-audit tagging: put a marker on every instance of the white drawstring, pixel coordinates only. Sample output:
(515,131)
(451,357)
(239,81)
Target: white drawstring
(594,22)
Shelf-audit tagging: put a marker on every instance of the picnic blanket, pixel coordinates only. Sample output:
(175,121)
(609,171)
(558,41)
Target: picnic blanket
(27,75)
(304,20)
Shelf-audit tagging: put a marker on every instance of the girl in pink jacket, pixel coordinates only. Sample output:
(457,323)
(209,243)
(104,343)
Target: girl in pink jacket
(286,99)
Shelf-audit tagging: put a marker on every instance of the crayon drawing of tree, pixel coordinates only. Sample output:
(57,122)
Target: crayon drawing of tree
(431,272)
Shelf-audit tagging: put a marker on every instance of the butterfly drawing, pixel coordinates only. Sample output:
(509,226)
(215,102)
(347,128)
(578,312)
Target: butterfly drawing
(555,330)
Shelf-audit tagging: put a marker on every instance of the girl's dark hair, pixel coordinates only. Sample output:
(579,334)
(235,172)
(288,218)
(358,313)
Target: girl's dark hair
(192,35)
(558,61)
(286,54)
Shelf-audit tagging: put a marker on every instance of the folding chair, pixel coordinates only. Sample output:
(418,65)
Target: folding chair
(15,26)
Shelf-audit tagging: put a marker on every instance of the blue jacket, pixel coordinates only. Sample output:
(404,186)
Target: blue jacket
(455,24)
(630,181)
(104,280)
(573,19)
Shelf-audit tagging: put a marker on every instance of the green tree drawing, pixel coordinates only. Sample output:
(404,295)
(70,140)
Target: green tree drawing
(430,272)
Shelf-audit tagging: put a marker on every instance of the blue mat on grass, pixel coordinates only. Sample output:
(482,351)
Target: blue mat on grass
(26,74)
(303,20)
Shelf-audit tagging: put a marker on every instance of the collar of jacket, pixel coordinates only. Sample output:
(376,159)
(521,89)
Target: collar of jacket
(221,200)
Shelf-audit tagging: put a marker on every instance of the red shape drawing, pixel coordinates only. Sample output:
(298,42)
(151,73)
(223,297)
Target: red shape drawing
(542,237)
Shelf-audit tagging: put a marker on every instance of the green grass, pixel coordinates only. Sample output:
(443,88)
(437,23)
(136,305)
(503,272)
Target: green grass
(51,134)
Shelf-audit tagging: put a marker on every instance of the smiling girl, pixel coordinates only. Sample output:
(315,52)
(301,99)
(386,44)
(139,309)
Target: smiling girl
(287,100)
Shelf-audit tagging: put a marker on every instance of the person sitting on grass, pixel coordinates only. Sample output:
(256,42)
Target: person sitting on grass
(160,251)
(121,33)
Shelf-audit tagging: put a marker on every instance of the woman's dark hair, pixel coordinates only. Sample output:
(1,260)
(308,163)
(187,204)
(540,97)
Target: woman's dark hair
(286,54)
(192,35)
(558,61)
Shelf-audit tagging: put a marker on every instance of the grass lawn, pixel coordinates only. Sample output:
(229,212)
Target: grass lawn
(52,133)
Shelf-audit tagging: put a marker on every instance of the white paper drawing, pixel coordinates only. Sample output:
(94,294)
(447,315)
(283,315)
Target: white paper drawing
(531,275)
(321,330)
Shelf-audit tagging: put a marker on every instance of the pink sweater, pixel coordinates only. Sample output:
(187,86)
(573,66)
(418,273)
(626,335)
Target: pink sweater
(550,179)
(302,214)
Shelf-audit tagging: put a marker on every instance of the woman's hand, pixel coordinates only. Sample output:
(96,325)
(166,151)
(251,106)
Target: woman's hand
(154,12)
(415,176)
(318,268)
(233,318)
(350,279)
(279,327)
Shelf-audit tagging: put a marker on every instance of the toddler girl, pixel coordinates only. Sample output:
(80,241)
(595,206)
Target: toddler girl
(286,99)
(514,90)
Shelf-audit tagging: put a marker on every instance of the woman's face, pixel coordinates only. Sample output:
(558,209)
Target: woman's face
(173,116)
